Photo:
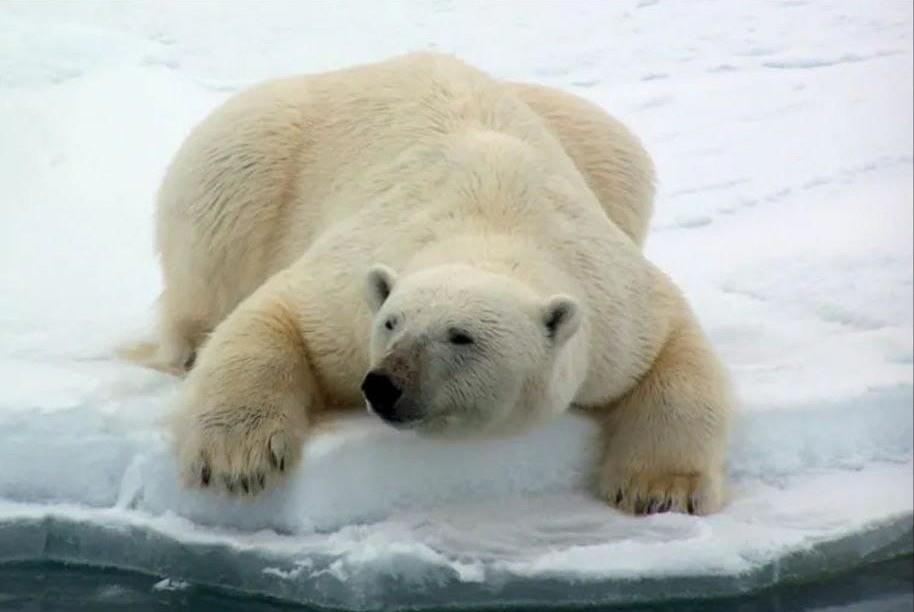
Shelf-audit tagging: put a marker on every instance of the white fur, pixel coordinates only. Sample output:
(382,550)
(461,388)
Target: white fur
(512,212)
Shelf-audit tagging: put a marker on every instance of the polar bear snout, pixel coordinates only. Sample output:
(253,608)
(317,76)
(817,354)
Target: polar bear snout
(381,392)
(385,398)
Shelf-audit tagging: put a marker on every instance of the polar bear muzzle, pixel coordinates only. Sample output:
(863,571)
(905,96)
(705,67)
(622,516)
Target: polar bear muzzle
(386,399)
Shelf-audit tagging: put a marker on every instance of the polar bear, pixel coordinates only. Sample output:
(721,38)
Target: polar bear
(461,253)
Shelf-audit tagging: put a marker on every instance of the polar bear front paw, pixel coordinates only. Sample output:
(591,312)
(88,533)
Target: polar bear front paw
(646,493)
(241,450)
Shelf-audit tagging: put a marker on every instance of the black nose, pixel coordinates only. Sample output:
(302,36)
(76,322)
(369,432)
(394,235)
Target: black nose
(381,393)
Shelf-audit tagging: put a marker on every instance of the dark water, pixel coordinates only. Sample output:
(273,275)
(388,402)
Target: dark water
(47,587)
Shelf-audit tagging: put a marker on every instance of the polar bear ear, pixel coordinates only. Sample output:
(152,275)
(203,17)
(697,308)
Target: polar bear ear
(562,318)
(378,285)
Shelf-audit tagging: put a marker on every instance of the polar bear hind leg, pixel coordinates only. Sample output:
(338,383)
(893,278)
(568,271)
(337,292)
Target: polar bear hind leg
(222,208)
(609,156)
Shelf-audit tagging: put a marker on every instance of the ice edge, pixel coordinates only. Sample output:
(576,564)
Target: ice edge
(148,550)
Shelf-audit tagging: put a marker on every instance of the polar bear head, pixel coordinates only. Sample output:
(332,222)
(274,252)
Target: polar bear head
(455,351)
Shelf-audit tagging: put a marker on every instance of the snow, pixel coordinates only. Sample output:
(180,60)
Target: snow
(782,134)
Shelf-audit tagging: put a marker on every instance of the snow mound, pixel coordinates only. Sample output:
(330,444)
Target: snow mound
(784,211)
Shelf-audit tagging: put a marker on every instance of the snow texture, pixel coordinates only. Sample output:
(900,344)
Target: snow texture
(782,133)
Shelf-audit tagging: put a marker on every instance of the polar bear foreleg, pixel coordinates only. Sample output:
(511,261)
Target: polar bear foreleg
(246,404)
(665,440)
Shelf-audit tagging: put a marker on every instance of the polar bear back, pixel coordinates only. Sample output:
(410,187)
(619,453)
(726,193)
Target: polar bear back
(266,174)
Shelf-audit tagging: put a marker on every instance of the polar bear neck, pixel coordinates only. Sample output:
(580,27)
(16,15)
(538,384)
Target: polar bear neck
(498,253)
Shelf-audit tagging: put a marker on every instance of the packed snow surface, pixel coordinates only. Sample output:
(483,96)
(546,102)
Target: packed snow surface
(782,133)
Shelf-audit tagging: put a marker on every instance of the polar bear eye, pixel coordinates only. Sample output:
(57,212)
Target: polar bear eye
(390,324)
(456,336)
